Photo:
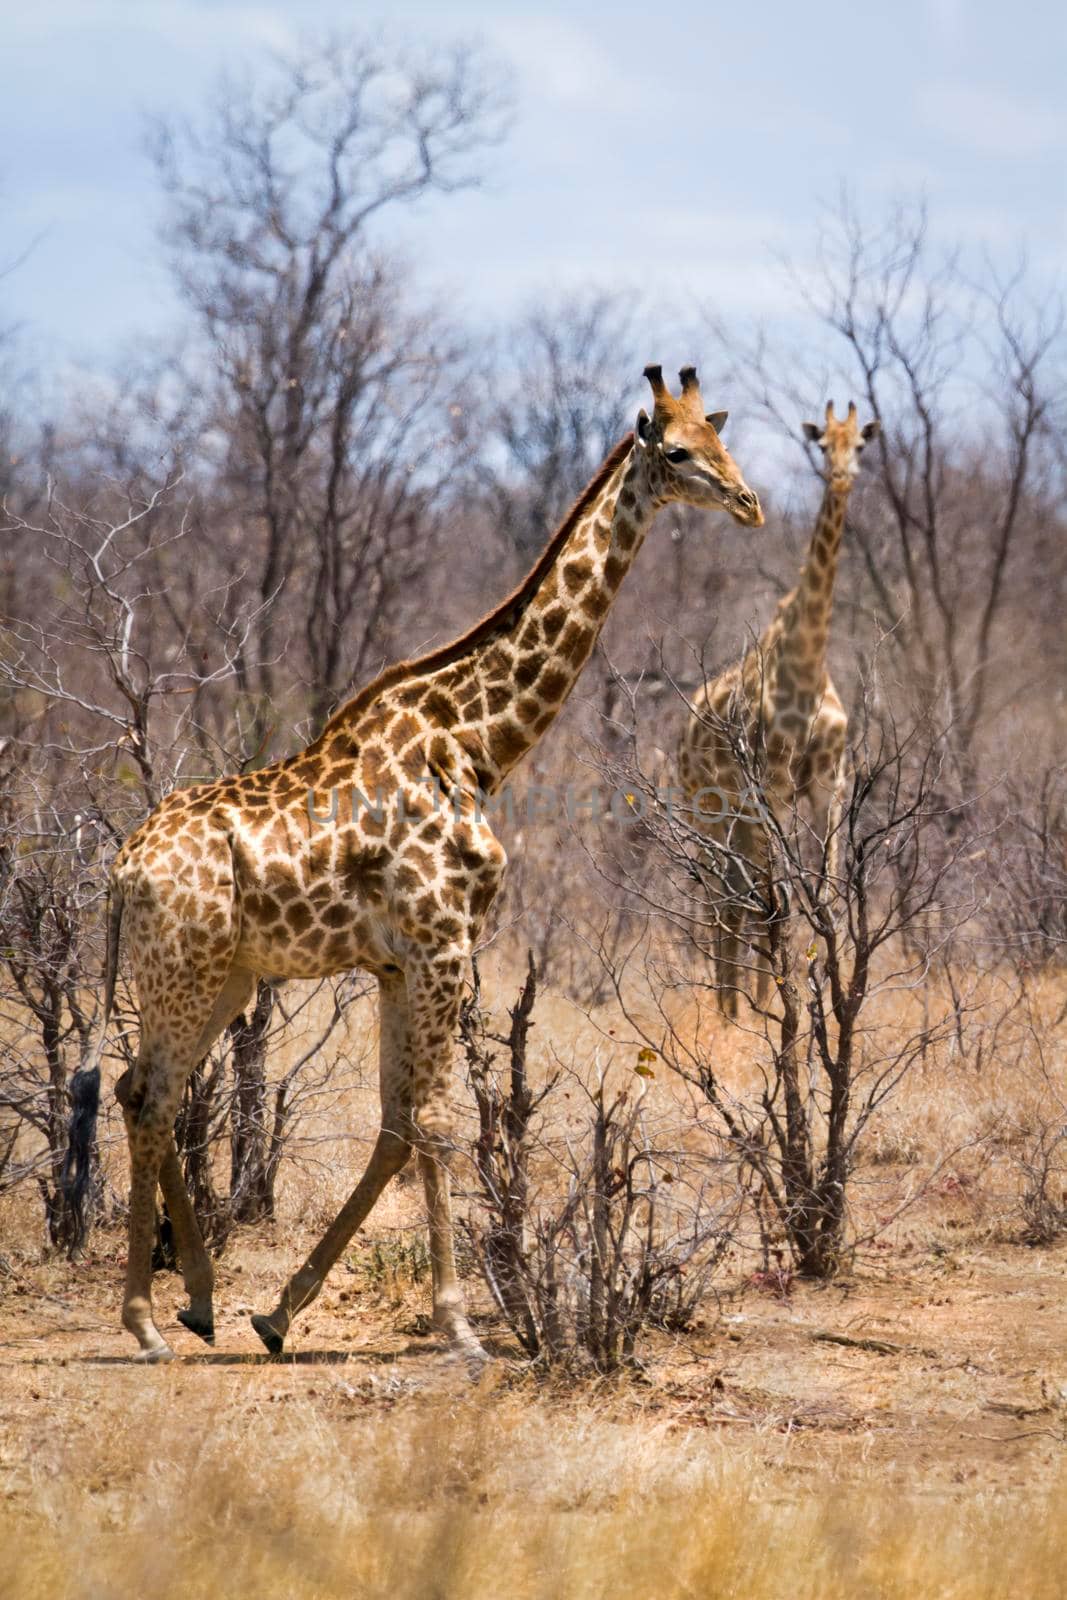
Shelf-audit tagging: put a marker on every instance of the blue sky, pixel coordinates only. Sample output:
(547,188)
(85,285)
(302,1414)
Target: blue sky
(670,148)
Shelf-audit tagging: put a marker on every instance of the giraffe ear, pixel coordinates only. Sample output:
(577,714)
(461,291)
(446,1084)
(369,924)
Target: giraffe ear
(871,430)
(643,431)
(717,419)
(812,433)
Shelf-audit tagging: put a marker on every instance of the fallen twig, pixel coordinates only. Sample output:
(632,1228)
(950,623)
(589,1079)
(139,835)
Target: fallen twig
(1010,1438)
(881,1347)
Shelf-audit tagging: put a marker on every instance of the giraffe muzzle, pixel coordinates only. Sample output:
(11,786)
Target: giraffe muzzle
(746,509)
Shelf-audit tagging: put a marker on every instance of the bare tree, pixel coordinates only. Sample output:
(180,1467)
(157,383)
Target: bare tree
(106,710)
(335,407)
(47,909)
(1028,853)
(558,407)
(232,1106)
(585,1238)
(966,372)
(831,938)
(99,701)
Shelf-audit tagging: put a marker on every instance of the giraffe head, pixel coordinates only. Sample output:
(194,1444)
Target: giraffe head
(841,443)
(685,457)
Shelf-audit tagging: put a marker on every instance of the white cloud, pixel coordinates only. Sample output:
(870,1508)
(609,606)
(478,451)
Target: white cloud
(175,22)
(947,18)
(562,61)
(990,120)
(679,257)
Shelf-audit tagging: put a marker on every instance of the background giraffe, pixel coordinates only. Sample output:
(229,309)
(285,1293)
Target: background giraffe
(791,713)
(237,878)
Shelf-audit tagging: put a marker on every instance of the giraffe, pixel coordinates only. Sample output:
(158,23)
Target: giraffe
(242,877)
(792,714)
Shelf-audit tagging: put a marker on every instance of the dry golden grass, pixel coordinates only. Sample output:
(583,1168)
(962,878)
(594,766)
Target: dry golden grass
(752,1458)
(311,1496)
(969,1103)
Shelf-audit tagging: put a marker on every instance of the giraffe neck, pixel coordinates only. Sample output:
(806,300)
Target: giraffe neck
(806,624)
(512,684)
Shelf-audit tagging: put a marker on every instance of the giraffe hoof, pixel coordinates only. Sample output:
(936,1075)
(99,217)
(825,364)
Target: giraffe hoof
(273,1340)
(203,1330)
(463,1345)
(154,1357)
(474,1360)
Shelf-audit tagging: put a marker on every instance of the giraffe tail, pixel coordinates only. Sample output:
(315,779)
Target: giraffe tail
(77,1172)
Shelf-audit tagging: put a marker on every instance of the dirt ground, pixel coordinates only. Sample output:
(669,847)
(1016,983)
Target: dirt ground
(949,1377)
(906,1421)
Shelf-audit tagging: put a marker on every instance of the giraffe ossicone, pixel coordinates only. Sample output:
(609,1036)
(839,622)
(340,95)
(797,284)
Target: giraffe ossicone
(782,696)
(233,879)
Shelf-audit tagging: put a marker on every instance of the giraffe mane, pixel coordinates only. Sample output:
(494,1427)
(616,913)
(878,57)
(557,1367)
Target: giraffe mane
(502,616)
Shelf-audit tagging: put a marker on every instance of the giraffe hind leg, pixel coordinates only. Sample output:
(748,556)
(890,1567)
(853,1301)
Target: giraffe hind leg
(150,1106)
(197,1273)
(182,1011)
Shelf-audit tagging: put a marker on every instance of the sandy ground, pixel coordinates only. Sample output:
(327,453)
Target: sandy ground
(907,1420)
(949,1377)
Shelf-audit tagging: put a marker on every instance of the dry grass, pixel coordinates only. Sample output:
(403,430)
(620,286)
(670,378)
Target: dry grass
(966,1110)
(326,1494)
(752,1459)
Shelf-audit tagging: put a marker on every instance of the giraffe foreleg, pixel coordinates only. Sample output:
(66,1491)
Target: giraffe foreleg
(729,950)
(390,1154)
(435,991)
(826,797)
(738,954)
(449,1302)
(825,777)
(392,1148)
(834,815)
(198,1274)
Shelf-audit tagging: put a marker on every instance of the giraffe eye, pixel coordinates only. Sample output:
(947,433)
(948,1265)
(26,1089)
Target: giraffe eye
(676,456)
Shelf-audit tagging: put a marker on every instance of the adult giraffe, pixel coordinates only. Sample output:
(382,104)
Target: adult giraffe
(782,695)
(236,878)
